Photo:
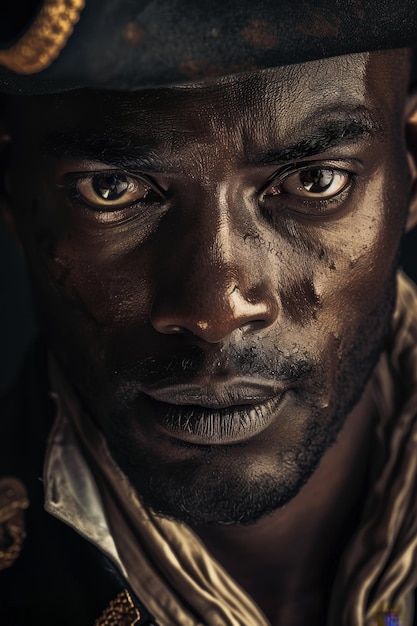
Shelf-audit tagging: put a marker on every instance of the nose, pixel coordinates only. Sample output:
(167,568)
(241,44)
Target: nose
(212,314)
(215,286)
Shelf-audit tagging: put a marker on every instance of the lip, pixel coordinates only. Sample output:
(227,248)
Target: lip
(216,396)
(206,416)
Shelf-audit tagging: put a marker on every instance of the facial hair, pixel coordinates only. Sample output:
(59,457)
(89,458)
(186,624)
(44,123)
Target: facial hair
(196,492)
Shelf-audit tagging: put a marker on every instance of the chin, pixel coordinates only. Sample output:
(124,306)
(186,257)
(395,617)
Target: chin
(241,483)
(237,484)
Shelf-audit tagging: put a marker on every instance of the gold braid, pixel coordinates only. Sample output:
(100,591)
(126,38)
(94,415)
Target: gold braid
(45,38)
(120,612)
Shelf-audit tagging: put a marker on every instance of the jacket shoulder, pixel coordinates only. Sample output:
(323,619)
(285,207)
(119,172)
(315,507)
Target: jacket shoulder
(49,574)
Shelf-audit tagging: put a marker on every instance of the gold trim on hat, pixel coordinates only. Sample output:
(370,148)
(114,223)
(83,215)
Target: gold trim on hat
(120,612)
(45,38)
(13,502)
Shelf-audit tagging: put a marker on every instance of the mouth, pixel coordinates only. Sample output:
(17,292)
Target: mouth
(203,416)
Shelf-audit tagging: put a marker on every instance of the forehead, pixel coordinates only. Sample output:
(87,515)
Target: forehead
(247,108)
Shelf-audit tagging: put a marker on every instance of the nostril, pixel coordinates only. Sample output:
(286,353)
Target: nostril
(213,310)
(252,326)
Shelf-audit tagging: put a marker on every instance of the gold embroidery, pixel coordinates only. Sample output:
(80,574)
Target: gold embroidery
(45,38)
(13,501)
(120,612)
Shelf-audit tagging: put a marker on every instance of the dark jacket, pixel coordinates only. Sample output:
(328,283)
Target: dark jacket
(58,578)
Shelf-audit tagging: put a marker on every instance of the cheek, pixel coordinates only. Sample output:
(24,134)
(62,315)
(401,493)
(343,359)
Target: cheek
(82,268)
(88,293)
(339,272)
(108,295)
(92,315)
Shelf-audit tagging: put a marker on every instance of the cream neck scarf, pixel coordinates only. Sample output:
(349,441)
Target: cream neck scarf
(167,565)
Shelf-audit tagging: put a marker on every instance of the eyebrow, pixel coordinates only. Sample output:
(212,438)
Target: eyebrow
(339,131)
(126,152)
(121,151)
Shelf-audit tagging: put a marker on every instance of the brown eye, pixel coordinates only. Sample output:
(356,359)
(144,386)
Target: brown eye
(311,183)
(109,190)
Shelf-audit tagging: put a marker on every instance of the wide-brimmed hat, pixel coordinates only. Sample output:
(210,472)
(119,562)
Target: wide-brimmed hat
(54,45)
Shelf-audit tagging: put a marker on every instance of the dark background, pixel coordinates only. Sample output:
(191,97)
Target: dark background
(17,323)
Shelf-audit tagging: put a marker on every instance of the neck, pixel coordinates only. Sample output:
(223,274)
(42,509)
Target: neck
(293,553)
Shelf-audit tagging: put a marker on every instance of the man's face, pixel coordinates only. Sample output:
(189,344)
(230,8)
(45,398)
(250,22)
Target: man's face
(214,265)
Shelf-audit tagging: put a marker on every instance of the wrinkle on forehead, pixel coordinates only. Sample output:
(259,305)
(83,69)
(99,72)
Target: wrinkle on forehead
(333,76)
(218,103)
(241,115)
(337,74)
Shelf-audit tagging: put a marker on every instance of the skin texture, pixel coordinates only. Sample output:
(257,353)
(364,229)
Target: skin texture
(220,282)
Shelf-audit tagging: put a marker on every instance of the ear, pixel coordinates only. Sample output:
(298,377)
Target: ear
(6,208)
(411,138)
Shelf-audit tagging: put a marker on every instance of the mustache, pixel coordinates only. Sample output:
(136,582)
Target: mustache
(187,366)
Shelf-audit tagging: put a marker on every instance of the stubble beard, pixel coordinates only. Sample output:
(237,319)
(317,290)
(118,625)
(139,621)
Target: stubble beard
(197,493)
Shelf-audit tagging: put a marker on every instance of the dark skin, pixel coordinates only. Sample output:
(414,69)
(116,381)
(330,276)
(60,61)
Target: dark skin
(214,267)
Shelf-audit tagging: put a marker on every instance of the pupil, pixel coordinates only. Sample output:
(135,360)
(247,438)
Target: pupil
(317,180)
(110,186)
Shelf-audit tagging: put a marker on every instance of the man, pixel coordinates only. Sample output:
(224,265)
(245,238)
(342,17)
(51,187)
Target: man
(229,435)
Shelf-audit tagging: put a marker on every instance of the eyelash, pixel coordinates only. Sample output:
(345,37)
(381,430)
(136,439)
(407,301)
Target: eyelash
(73,180)
(272,204)
(306,207)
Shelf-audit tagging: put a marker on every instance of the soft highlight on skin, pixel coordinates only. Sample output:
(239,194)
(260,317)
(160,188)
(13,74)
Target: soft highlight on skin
(174,291)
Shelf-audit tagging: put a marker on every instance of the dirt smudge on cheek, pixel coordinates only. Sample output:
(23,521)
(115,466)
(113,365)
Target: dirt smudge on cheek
(257,242)
(294,268)
(299,300)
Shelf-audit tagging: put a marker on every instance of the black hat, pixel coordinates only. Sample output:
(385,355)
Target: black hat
(55,45)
